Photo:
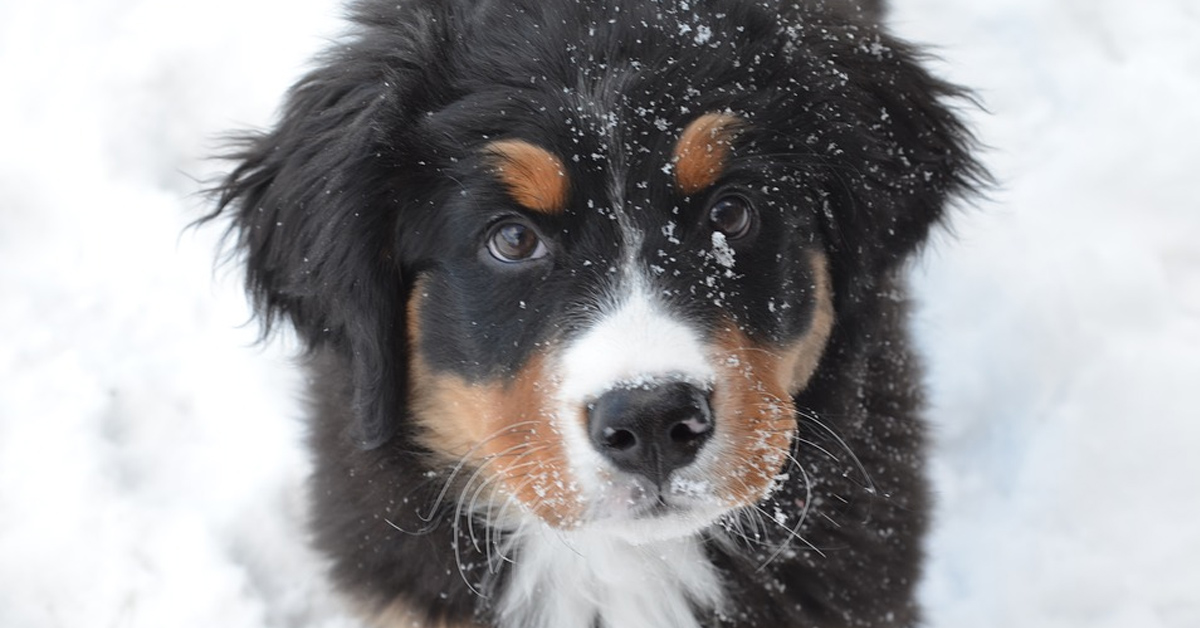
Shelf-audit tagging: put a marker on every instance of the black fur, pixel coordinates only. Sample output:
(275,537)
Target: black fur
(357,191)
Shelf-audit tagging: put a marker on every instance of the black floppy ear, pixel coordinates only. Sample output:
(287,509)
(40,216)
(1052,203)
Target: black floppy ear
(897,154)
(314,213)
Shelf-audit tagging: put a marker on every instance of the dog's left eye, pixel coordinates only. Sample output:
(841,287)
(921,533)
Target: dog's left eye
(513,241)
(732,216)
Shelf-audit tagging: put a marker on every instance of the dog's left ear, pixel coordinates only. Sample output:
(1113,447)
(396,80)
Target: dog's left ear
(314,212)
(897,153)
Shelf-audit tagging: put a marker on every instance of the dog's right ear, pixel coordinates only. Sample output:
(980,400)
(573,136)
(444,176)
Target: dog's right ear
(315,206)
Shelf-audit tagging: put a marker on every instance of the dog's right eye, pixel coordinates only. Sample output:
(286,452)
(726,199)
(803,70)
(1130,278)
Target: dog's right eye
(732,216)
(513,241)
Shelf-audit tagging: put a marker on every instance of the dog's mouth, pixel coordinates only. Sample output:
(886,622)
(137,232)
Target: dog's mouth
(637,509)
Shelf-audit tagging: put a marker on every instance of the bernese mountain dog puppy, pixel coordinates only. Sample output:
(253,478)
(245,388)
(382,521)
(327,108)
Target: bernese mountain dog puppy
(603,308)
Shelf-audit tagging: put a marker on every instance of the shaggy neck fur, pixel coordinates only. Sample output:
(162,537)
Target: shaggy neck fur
(588,580)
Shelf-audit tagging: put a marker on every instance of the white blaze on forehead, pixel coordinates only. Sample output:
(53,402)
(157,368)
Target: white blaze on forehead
(635,340)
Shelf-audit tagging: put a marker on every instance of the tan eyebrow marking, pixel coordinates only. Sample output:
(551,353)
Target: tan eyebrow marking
(702,150)
(533,175)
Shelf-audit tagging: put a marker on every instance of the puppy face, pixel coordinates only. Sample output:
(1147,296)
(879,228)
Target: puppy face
(616,342)
(586,269)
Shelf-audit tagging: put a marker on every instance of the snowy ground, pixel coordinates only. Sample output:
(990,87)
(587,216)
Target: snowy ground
(149,456)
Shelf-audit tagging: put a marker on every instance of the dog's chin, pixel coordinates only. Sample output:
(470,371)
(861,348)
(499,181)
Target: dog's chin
(652,528)
(636,513)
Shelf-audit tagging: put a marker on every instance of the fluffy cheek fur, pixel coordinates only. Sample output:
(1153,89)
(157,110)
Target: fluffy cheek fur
(516,447)
(757,416)
(500,437)
(755,401)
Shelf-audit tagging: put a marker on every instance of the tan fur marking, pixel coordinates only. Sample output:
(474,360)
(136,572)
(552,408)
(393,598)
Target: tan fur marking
(506,429)
(756,410)
(755,403)
(534,177)
(806,354)
(702,151)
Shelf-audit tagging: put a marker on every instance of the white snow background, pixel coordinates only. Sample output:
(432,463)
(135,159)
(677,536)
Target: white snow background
(150,456)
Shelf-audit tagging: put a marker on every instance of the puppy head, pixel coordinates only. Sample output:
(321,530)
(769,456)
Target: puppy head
(592,253)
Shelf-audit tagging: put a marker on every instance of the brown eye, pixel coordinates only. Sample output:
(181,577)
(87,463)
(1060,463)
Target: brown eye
(515,242)
(732,216)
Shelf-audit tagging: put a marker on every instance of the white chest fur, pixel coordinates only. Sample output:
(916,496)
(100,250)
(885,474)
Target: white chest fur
(569,580)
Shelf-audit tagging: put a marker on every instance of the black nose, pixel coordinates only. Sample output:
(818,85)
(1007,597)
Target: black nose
(651,430)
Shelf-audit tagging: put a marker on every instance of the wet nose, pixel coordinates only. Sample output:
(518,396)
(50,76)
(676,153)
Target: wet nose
(651,430)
